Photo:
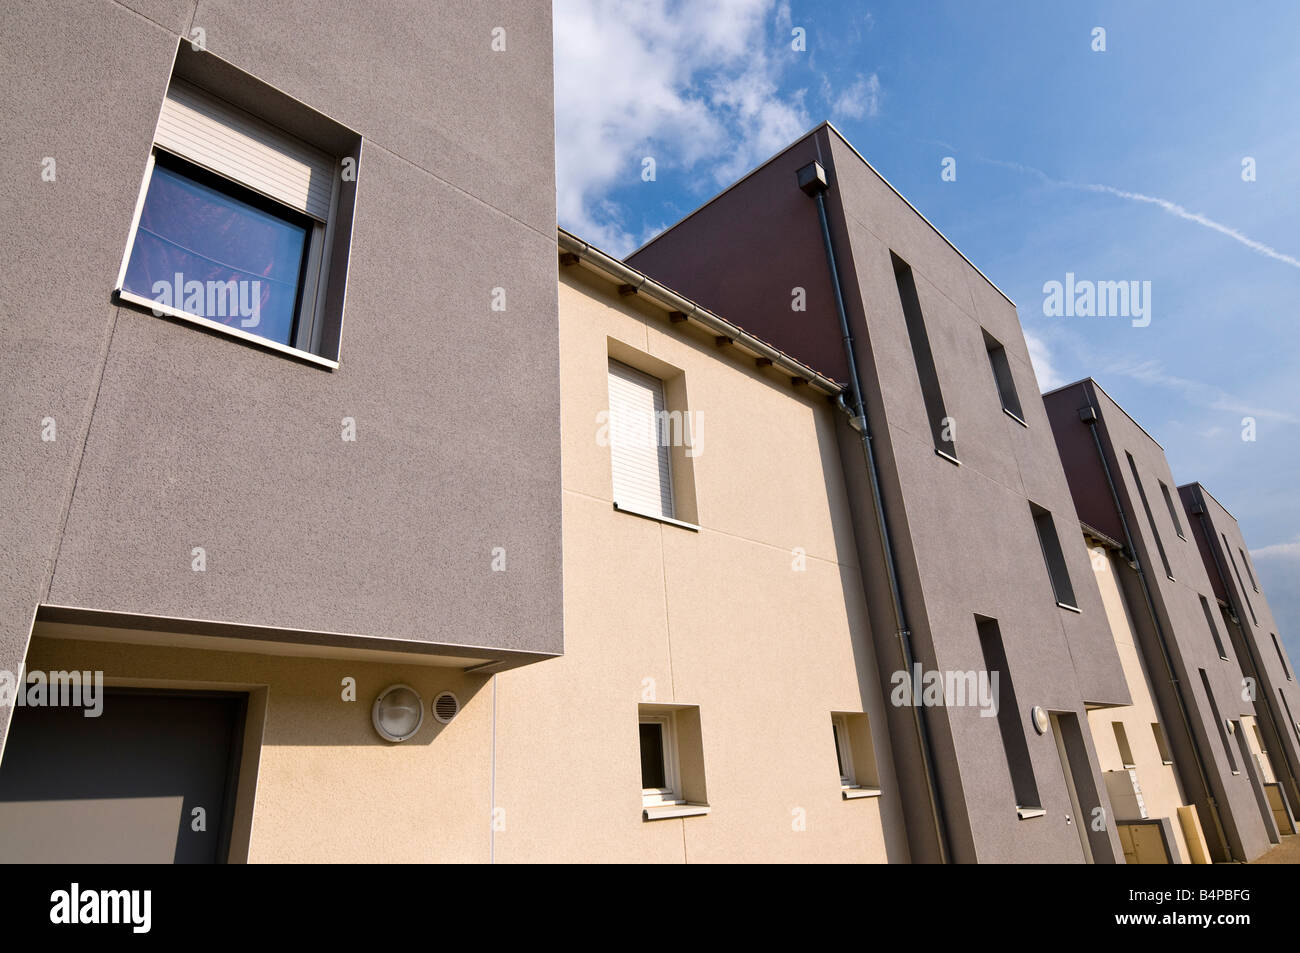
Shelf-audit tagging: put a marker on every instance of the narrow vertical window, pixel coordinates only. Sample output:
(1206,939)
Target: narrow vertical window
(1173,510)
(1151,519)
(1245,561)
(1006,384)
(1121,739)
(1240,585)
(1009,724)
(1218,720)
(1162,743)
(940,423)
(1053,556)
(1281,656)
(639,449)
(1214,631)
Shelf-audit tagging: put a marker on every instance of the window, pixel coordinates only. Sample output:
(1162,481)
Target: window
(658,760)
(1010,727)
(1002,377)
(1121,739)
(1214,632)
(1240,585)
(1281,656)
(855,755)
(238,228)
(940,423)
(1151,520)
(1162,743)
(1053,557)
(639,437)
(1295,725)
(1245,561)
(672,762)
(1218,720)
(1173,510)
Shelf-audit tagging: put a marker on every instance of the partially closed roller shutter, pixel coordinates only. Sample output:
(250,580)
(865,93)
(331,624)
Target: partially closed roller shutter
(218,136)
(642,477)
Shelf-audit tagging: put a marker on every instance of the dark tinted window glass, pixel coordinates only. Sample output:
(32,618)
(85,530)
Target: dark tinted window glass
(212,249)
(652,756)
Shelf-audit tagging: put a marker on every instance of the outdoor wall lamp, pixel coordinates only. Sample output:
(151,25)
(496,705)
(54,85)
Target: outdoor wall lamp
(398,712)
(1041,719)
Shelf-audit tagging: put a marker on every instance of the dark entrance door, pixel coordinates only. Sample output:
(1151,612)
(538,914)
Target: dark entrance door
(123,787)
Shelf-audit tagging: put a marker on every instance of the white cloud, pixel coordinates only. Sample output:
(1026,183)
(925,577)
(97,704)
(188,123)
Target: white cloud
(861,100)
(1205,395)
(683,81)
(1044,369)
(1289,550)
(1173,208)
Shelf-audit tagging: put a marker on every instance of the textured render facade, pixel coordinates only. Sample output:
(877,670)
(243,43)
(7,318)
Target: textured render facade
(169,438)
(658,616)
(748,253)
(470,539)
(1196,675)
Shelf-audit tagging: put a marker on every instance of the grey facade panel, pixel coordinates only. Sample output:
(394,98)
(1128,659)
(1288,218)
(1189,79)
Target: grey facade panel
(1178,611)
(170,437)
(964,535)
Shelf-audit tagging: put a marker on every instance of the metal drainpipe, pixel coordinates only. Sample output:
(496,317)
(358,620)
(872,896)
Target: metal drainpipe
(812,180)
(1235,605)
(1089,416)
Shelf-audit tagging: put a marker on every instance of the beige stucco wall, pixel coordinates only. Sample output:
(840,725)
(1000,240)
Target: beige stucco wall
(720,619)
(1161,790)
(329,789)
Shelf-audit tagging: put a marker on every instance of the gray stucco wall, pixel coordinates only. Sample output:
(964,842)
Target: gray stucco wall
(1178,608)
(1277,675)
(965,537)
(169,437)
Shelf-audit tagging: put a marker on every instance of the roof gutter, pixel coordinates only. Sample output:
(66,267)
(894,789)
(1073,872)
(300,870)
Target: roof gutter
(645,286)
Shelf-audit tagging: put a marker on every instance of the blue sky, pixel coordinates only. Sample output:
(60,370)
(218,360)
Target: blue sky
(1122,165)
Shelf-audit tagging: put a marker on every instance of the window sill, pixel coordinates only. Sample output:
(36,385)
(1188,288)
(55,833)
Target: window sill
(947,456)
(659,812)
(1170,763)
(161,309)
(853,792)
(1066,605)
(657,518)
(1016,417)
(1024,813)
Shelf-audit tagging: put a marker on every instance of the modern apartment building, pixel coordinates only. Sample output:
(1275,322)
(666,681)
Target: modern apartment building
(813,249)
(1275,737)
(342,529)
(1129,505)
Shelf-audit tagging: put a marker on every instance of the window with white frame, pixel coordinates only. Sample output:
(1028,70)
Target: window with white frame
(660,779)
(844,751)
(639,434)
(232,225)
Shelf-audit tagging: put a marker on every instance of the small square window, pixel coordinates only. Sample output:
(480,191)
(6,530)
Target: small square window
(855,756)
(672,762)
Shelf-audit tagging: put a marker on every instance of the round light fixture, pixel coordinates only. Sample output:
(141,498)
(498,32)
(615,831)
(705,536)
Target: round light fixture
(398,712)
(1041,719)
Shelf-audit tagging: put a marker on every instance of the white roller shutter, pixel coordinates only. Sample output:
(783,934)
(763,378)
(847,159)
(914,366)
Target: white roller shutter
(218,136)
(642,477)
